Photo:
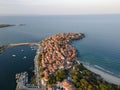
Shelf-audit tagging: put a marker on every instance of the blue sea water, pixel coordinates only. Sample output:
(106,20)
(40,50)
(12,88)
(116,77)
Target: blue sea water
(10,65)
(100,47)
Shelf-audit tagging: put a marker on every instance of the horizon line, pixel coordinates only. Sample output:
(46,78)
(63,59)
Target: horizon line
(60,14)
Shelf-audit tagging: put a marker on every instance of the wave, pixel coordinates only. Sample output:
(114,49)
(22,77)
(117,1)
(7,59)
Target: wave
(100,68)
(105,75)
(88,65)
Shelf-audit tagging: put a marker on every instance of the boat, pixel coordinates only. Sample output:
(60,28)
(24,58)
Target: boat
(22,24)
(32,49)
(13,55)
(22,50)
(24,57)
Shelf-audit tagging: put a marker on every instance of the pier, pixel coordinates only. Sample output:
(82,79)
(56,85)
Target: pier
(22,82)
(4,47)
(24,44)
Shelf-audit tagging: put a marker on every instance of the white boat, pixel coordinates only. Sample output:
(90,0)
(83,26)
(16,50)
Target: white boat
(22,50)
(33,49)
(13,55)
(24,57)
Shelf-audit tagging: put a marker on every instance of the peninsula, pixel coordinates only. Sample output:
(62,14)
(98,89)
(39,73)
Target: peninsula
(5,25)
(57,67)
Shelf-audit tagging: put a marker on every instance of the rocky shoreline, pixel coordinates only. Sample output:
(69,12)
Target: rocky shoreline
(3,48)
(9,25)
(57,67)
(5,25)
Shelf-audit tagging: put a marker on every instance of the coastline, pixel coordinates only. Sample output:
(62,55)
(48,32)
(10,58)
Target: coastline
(106,76)
(56,60)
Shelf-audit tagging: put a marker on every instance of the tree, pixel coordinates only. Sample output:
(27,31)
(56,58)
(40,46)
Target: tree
(33,80)
(90,87)
(86,72)
(103,87)
(51,79)
(41,69)
(61,74)
(84,84)
(41,76)
(39,59)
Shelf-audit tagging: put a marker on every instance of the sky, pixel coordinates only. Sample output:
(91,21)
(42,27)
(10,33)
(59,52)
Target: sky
(59,7)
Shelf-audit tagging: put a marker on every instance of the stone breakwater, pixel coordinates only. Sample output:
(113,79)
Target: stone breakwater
(4,47)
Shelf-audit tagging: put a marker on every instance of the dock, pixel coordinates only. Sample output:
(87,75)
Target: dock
(24,44)
(4,47)
(22,82)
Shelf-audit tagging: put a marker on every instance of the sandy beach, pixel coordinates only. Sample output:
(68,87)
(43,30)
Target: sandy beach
(106,76)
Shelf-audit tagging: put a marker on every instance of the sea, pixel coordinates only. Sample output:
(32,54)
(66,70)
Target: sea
(100,48)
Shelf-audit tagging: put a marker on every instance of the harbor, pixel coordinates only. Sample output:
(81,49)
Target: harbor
(22,78)
(59,74)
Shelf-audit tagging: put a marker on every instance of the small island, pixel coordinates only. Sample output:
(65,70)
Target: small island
(57,67)
(5,25)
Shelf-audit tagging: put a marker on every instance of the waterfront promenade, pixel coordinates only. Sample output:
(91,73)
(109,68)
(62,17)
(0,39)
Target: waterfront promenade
(36,67)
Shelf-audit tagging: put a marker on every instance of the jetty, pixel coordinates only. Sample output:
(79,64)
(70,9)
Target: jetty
(24,44)
(4,47)
(21,80)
